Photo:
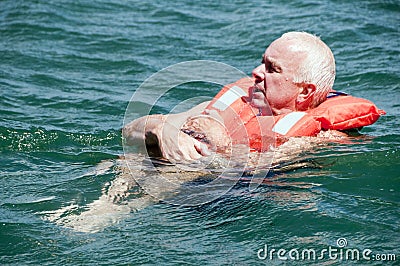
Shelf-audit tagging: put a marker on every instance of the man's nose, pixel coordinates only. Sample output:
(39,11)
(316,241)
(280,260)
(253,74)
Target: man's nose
(259,73)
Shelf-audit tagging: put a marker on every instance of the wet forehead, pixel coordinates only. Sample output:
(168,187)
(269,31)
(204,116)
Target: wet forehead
(283,53)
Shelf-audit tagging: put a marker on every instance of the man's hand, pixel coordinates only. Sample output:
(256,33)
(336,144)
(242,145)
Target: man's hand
(176,146)
(164,132)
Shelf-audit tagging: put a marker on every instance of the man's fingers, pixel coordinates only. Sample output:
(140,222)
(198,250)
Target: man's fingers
(192,149)
(177,146)
(201,148)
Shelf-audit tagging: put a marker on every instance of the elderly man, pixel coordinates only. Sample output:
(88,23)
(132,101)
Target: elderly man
(297,73)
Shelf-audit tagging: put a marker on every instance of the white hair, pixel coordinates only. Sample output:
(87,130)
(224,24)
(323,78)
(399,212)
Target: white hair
(317,68)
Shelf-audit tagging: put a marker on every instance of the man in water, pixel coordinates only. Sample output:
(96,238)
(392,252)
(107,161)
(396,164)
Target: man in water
(296,74)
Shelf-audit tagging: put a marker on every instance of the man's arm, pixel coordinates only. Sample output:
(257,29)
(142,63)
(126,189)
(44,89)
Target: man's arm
(164,131)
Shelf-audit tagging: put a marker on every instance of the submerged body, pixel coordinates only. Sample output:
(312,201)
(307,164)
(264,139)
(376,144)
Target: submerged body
(127,193)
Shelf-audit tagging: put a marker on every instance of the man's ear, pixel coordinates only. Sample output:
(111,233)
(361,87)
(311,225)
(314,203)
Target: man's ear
(306,96)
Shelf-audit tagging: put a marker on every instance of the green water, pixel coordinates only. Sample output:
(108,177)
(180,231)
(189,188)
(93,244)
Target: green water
(67,72)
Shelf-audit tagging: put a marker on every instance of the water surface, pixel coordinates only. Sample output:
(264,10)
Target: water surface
(67,72)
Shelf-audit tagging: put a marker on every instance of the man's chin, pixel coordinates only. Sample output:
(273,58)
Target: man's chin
(256,103)
(264,108)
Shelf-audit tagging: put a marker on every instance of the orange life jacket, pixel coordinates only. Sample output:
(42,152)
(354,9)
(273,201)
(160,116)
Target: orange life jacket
(246,126)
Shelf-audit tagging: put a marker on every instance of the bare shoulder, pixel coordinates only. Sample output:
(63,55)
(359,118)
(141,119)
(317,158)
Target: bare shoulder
(333,135)
(198,109)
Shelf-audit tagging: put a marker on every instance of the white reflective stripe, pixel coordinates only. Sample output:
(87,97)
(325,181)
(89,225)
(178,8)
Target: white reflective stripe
(229,97)
(287,122)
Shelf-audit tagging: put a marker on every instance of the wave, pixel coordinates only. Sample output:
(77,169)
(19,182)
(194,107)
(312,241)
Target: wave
(40,139)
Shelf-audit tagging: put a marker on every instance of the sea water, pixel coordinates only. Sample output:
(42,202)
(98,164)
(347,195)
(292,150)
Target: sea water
(67,197)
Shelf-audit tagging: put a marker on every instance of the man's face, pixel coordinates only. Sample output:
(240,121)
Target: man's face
(274,88)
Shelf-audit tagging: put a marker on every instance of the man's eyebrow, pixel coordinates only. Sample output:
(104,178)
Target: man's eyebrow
(272,61)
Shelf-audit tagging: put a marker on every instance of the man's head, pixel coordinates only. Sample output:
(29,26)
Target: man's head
(297,73)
